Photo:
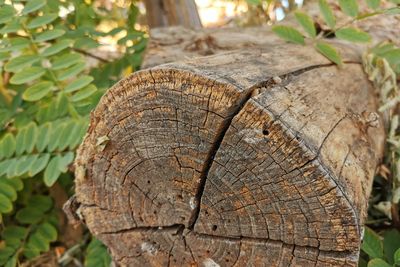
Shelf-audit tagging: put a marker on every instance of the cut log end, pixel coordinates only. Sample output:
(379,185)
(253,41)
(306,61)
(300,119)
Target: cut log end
(252,163)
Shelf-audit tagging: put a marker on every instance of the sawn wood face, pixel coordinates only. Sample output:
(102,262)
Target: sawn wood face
(261,158)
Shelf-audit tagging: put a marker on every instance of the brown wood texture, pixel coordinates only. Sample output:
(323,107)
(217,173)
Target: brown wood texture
(263,158)
(161,13)
(260,154)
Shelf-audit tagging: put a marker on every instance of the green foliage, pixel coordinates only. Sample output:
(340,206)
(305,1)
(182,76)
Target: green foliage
(329,52)
(353,35)
(96,255)
(51,77)
(344,32)
(349,7)
(372,245)
(327,13)
(307,23)
(378,252)
(289,34)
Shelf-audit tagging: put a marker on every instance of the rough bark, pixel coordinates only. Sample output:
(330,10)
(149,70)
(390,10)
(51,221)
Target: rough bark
(161,13)
(263,157)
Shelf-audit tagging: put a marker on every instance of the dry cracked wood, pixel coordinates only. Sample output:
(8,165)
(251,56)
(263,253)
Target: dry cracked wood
(259,158)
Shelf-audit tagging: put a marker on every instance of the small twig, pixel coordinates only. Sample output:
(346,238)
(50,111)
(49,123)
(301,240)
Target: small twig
(395,216)
(91,55)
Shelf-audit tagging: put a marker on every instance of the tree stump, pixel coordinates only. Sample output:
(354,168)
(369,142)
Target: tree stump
(262,157)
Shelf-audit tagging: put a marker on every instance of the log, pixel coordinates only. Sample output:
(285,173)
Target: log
(259,154)
(259,158)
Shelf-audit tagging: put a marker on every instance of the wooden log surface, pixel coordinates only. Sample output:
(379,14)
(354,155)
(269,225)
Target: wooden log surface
(263,158)
(259,154)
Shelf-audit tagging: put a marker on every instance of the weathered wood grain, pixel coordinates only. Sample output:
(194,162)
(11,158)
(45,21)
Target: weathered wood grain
(262,157)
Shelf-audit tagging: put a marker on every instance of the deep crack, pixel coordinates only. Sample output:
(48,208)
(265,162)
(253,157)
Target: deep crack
(234,110)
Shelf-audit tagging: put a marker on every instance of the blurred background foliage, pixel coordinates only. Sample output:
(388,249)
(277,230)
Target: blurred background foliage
(57,58)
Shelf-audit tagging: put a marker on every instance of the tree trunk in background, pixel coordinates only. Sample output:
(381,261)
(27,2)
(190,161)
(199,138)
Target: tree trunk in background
(261,154)
(161,13)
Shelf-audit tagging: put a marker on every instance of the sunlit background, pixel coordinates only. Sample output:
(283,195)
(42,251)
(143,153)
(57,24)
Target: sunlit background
(216,13)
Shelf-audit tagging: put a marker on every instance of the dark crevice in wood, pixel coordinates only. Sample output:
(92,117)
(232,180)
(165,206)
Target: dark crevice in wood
(233,111)
(179,230)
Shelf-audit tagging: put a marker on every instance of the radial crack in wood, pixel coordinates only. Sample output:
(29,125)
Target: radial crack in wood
(262,158)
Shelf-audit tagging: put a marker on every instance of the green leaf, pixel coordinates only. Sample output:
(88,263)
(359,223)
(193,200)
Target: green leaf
(76,135)
(353,35)
(307,23)
(4,166)
(65,161)
(6,13)
(7,190)
(78,83)
(71,71)
(37,241)
(48,231)
(30,252)
(42,20)
(39,164)
(43,136)
(33,5)
(19,148)
(41,203)
(61,105)
(52,171)
(37,91)
(14,232)
(329,52)
(85,43)
(56,48)
(67,131)
(11,170)
(66,61)
(6,253)
(12,262)
(16,183)
(372,244)
(18,63)
(18,43)
(374,4)
(392,56)
(30,137)
(378,263)
(55,134)
(327,13)
(49,35)
(391,241)
(392,11)
(5,204)
(27,75)
(7,145)
(396,257)
(97,255)
(84,93)
(4,56)
(349,7)
(289,34)
(29,215)
(11,27)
